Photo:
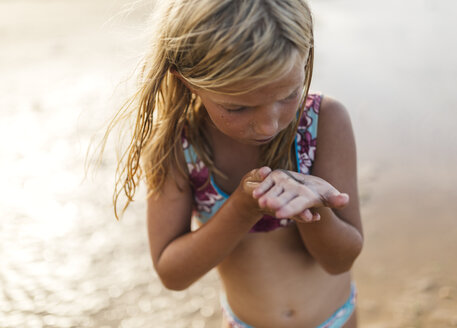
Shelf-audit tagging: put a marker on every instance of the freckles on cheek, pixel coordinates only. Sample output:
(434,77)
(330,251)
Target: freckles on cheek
(230,125)
(222,122)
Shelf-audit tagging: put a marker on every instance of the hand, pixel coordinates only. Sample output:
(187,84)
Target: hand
(293,195)
(253,178)
(244,192)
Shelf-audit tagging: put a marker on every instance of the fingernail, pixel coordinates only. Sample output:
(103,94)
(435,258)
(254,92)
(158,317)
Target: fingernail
(345,195)
(308,215)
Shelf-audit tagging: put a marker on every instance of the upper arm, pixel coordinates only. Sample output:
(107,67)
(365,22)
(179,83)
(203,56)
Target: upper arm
(336,158)
(169,214)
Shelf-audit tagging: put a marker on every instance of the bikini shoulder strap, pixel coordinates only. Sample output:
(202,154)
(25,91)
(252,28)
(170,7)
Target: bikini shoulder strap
(307,133)
(198,172)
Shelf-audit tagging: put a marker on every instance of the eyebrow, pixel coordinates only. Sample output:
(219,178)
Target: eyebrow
(239,105)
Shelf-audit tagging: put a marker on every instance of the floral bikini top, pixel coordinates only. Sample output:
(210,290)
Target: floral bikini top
(208,197)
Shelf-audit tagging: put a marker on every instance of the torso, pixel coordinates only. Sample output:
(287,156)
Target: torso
(270,278)
(272,281)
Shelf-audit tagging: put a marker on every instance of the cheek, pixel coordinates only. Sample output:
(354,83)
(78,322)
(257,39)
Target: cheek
(289,114)
(233,124)
(226,123)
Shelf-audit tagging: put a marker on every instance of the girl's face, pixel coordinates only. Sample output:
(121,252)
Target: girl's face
(256,117)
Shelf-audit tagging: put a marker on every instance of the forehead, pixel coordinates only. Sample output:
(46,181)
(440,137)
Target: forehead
(276,89)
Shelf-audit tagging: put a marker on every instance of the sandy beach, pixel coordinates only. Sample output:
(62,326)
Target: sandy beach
(66,67)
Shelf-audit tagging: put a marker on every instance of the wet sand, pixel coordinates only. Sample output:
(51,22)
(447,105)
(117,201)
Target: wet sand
(65,261)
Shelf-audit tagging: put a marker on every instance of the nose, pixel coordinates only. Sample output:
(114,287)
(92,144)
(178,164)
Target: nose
(267,121)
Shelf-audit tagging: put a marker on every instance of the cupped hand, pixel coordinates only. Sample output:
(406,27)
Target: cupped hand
(252,179)
(294,195)
(243,195)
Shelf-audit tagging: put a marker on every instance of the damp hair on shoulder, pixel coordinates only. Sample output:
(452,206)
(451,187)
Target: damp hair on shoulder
(212,45)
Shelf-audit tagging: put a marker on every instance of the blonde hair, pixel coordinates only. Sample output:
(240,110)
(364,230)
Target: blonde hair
(213,45)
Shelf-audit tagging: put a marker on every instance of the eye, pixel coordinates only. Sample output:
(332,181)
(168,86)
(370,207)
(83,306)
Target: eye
(293,96)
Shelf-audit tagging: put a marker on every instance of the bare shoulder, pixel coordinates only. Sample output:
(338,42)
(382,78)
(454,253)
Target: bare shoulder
(336,157)
(333,117)
(335,138)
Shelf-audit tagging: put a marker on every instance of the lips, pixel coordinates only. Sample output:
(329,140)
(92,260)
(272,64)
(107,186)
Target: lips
(264,140)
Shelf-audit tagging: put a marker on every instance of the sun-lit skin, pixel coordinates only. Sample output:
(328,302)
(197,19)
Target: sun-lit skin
(257,116)
(229,76)
(326,237)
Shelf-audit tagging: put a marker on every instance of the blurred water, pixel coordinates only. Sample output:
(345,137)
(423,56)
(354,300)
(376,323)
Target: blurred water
(65,261)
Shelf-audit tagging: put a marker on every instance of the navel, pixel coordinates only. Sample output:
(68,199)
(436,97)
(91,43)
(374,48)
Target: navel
(289,313)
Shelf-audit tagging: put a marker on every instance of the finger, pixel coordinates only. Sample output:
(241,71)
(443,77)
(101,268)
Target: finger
(263,172)
(329,194)
(278,201)
(258,175)
(315,215)
(250,186)
(335,199)
(296,206)
(272,193)
(306,215)
(263,187)
(255,177)
(273,177)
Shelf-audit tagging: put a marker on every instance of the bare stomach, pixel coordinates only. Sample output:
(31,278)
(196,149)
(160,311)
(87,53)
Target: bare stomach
(272,281)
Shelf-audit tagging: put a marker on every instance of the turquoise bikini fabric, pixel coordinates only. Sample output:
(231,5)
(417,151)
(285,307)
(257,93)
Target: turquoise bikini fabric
(208,197)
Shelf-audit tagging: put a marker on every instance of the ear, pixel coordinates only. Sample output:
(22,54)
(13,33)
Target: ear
(179,76)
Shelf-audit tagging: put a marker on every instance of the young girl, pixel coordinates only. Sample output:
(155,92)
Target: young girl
(226,132)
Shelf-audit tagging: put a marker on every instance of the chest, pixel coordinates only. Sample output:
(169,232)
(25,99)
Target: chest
(234,161)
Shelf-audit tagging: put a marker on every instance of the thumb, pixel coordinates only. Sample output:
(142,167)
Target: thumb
(335,199)
(258,175)
(255,177)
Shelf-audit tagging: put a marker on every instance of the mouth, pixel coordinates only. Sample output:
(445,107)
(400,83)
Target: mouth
(264,140)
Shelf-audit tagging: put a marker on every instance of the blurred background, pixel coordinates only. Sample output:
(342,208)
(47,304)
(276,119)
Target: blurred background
(65,68)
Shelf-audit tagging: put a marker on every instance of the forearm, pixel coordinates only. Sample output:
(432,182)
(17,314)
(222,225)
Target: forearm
(334,243)
(190,256)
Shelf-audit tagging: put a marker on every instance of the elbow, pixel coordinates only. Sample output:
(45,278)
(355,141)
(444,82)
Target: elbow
(171,281)
(336,269)
(173,285)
